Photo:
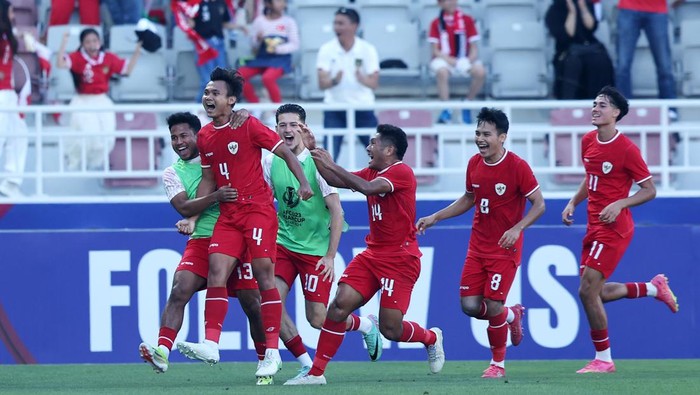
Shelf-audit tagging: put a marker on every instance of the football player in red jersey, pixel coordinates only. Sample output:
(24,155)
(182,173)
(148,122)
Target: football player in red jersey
(232,157)
(498,183)
(391,262)
(612,163)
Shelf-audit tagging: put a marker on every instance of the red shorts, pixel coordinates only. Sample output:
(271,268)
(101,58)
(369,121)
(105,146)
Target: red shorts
(487,277)
(289,264)
(603,249)
(393,274)
(253,227)
(195,259)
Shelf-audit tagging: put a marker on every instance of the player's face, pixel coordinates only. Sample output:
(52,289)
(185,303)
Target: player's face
(91,44)
(603,112)
(184,141)
(378,153)
(216,101)
(289,129)
(489,142)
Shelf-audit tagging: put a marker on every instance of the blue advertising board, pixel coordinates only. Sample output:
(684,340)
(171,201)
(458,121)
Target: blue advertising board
(86,283)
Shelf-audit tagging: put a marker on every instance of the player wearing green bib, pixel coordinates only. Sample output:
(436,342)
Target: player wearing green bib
(181,181)
(307,239)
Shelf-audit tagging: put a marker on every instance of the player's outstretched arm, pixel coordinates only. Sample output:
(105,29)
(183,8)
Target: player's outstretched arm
(134,58)
(646,192)
(458,207)
(567,216)
(194,207)
(294,166)
(511,236)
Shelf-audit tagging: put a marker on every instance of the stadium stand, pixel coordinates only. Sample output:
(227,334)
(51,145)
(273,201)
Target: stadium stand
(26,13)
(499,14)
(148,81)
(185,70)
(139,152)
(690,45)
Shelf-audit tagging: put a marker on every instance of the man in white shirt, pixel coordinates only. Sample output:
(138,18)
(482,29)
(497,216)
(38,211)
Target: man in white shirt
(348,72)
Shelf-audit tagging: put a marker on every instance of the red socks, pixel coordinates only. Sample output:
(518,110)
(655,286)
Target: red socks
(329,342)
(355,323)
(166,337)
(498,334)
(260,350)
(295,346)
(601,341)
(414,333)
(636,290)
(271,310)
(215,309)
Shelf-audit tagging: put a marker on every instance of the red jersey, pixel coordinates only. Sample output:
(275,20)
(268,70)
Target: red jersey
(392,216)
(500,192)
(95,72)
(657,6)
(458,23)
(610,169)
(6,57)
(234,156)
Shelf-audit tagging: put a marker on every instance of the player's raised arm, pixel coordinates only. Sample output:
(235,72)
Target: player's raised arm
(460,206)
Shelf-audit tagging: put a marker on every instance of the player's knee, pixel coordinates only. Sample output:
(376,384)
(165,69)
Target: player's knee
(391,330)
(470,308)
(316,321)
(336,312)
(179,295)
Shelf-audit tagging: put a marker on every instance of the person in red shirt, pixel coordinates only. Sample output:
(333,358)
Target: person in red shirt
(61,11)
(391,262)
(498,182)
(13,149)
(91,68)
(232,157)
(453,40)
(612,163)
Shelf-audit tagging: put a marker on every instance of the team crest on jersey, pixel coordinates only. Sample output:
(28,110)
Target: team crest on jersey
(290,197)
(233,147)
(607,167)
(500,188)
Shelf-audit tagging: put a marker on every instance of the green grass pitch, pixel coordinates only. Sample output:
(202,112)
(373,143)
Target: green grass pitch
(664,377)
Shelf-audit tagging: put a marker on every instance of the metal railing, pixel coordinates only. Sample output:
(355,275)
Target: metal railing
(531,136)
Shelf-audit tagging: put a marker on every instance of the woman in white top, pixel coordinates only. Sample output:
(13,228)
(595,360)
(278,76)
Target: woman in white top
(275,36)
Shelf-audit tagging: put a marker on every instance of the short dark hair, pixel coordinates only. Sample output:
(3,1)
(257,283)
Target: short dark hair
(394,135)
(184,117)
(350,13)
(233,79)
(494,116)
(291,108)
(617,99)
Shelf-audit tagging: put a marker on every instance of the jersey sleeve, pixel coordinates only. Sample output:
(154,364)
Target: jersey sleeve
(323,185)
(117,65)
(261,135)
(470,27)
(267,171)
(371,63)
(399,177)
(526,179)
(73,62)
(206,163)
(635,165)
(324,58)
(468,178)
(172,183)
(363,173)
(434,32)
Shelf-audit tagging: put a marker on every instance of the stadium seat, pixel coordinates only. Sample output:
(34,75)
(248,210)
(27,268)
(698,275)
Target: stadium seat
(309,77)
(604,35)
(690,44)
(391,28)
(526,77)
(315,21)
(503,13)
(408,119)
(61,86)
(26,13)
(186,75)
(644,70)
(140,150)
(686,11)
(148,80)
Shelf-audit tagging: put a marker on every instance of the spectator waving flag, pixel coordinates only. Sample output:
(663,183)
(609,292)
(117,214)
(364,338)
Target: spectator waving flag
(183,11)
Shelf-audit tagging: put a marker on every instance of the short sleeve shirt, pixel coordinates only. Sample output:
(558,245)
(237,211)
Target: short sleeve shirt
(446,39)
(94,73)
(332,58)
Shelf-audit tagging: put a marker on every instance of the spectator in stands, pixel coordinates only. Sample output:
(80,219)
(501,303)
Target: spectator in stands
(652,16)
(13,149)
(275,36)
(61,10)
(125,12)
(348,72)
(92,68)
(582,66)
(453,39)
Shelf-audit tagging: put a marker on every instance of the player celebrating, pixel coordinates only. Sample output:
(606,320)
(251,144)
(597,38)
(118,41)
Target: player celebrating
(498,182)
(181,181)
(306,243)
(391,262)
(612,162)
(232,156)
